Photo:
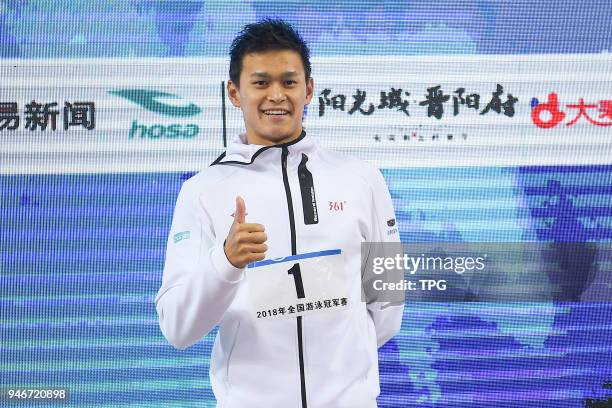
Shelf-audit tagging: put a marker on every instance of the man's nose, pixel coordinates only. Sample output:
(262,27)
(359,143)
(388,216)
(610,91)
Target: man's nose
(276,93)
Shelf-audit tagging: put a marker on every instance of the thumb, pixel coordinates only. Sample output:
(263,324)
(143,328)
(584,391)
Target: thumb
(239,215)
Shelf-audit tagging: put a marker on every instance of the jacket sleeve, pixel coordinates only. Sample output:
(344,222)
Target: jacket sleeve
(387,316)
(199,283)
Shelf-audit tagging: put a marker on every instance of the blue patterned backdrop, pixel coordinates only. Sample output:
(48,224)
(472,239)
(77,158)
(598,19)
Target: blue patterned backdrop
(163,28)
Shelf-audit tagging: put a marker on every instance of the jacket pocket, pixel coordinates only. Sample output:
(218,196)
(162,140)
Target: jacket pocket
(233,343)
(368,342)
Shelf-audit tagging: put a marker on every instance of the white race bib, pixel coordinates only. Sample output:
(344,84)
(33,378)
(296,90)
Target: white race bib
(298,284)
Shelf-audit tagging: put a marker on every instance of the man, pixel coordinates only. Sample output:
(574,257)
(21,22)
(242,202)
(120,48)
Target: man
(291,199)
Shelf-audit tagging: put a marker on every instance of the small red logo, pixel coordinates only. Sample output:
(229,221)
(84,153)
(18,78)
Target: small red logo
(552,107)
(554,115)
(337,205)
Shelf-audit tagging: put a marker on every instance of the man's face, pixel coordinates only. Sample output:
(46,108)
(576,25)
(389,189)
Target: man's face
(272,95)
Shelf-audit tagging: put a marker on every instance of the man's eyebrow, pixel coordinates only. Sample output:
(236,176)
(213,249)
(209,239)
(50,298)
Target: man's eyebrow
(260,74)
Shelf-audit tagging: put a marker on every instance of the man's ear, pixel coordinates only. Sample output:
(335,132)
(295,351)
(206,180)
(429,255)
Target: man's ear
(233,93)
(309,90)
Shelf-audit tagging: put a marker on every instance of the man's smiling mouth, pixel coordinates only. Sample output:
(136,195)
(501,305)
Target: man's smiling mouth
(275,112)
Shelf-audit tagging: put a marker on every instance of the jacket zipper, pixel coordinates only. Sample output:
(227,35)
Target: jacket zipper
(284,155)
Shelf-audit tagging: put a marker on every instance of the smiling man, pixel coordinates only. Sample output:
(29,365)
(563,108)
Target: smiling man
(285,287)
(272,91)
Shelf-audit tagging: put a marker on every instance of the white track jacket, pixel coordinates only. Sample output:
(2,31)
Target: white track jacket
(309,199)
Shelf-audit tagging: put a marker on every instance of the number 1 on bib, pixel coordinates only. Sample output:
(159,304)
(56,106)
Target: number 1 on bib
(297,278)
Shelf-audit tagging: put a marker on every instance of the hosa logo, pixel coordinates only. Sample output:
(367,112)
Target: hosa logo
(153,101)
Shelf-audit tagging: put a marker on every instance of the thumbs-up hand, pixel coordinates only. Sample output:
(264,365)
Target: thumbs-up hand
(245,242)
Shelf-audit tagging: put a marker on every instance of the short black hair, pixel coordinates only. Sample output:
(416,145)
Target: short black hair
(266,35)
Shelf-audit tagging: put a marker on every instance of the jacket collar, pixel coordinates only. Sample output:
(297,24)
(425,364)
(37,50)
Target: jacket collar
(240,152)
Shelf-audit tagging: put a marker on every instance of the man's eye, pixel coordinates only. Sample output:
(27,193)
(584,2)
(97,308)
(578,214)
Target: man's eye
(260,83)
(290,82)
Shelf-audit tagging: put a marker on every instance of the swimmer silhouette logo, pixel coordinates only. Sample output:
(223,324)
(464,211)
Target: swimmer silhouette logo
(154,101)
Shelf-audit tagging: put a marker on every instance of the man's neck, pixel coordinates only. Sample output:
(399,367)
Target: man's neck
(256,140)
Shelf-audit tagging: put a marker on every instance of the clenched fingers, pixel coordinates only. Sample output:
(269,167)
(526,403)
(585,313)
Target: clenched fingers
(251,237)
(254,248)
(250,227)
